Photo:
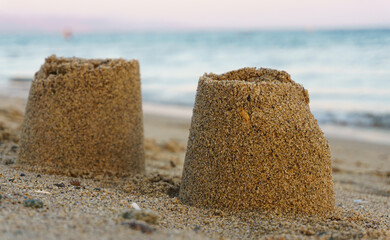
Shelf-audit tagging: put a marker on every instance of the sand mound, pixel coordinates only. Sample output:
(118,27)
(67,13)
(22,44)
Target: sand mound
(84,118)
(254,145)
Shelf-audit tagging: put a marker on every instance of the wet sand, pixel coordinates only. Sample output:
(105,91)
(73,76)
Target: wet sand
(92,210)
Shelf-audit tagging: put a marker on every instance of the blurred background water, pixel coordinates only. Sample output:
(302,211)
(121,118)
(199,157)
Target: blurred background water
(347,72)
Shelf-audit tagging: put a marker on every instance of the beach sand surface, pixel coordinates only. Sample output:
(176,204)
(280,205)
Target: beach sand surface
(92,210)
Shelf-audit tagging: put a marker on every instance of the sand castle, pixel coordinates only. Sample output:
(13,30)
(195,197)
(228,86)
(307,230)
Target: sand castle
(254,145)
(84,118)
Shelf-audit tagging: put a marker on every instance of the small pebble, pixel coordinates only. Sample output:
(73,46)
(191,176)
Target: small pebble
(75,183)
(59,184)
(359,201)
(33,203)
(141,215)
(140,226)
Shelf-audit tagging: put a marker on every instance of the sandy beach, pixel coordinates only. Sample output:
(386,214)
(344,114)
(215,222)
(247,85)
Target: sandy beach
(75,208)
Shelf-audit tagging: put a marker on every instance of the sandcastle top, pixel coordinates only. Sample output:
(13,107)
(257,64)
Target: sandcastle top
(55,67)
(254,75)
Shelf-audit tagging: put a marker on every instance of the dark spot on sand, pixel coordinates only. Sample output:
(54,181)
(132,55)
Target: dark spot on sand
(196,228)
(33,203)
(14,148)
(59,184)
(173,191)
(172,164)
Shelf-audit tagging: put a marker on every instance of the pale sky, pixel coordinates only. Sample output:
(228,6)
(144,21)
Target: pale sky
(199,14)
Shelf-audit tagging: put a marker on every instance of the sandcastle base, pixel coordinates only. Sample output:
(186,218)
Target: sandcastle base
(254,145)
(84,118)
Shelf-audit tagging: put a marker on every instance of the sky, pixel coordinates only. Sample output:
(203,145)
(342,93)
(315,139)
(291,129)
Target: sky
(89,15)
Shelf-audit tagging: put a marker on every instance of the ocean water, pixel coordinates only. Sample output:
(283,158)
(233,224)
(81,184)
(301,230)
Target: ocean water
(347,72)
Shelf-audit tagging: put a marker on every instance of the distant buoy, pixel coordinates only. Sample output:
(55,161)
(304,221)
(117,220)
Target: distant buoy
(67,34)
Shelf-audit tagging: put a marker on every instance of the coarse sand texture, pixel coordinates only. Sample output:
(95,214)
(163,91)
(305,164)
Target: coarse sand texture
(84,118)
(254,145)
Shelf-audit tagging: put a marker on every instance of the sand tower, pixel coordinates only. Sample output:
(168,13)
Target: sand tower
(254,145)
(84,118)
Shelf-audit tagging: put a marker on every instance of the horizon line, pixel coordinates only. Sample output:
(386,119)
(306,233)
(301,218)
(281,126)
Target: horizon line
(199,30)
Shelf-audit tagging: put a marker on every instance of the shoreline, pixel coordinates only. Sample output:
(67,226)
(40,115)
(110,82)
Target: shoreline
(348,133)
(339,129)
(182,115)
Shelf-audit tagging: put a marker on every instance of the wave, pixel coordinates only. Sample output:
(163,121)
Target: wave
(351,91)
(357,119)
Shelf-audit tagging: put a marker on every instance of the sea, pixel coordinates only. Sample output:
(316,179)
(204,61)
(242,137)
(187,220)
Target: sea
(347,72)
